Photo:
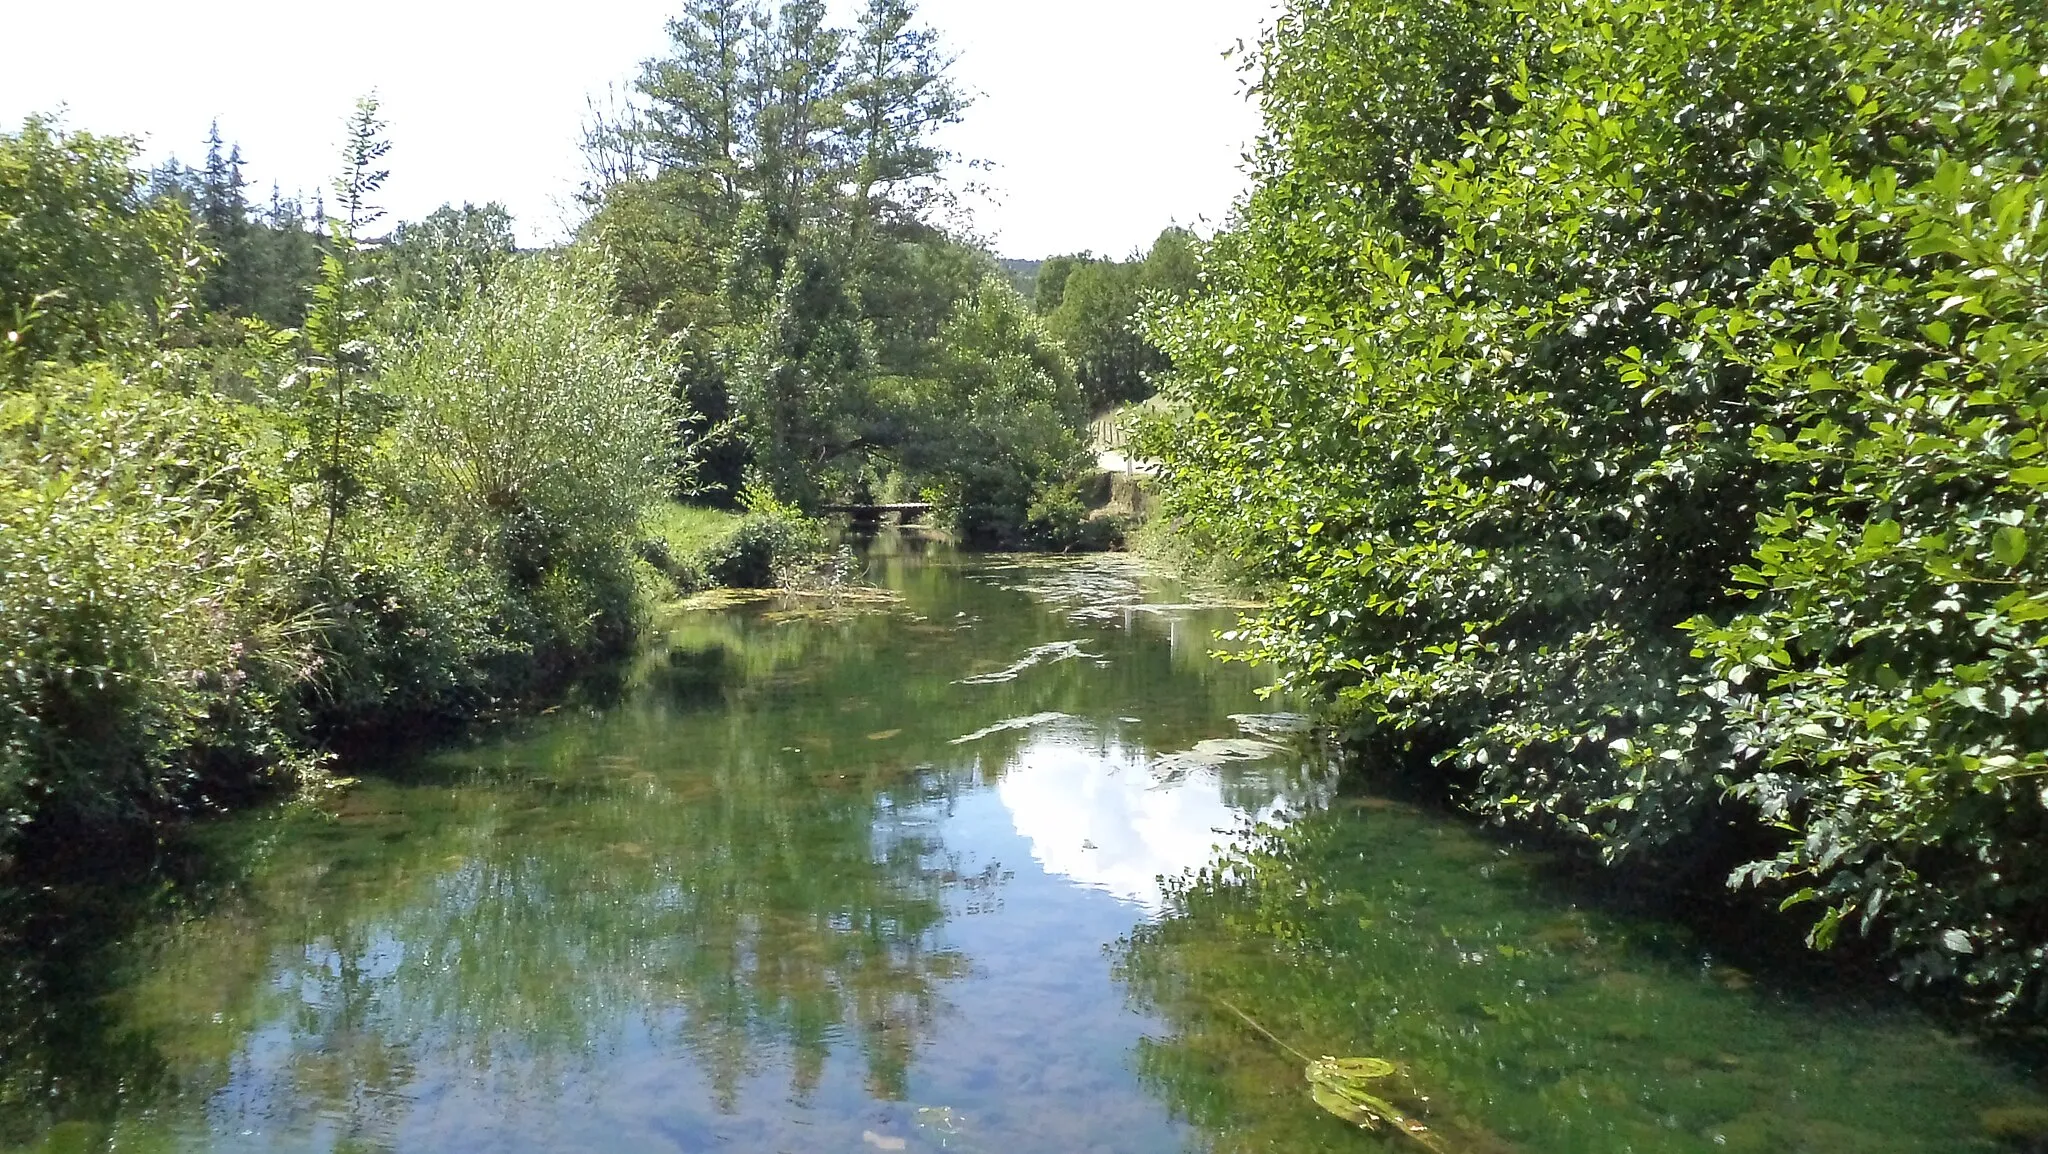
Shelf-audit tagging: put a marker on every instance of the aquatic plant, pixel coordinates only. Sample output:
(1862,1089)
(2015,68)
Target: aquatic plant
(1345,1087)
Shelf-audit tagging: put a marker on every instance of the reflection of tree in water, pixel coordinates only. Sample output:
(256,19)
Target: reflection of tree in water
(521,932)
(65,1047)
(763,914)
(734,864)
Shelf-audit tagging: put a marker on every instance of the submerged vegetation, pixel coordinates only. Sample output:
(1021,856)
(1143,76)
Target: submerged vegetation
(1629,416)
(1633,407)
(1521,1009)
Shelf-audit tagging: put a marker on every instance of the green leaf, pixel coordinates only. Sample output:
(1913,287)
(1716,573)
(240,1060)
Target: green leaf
(2009,545)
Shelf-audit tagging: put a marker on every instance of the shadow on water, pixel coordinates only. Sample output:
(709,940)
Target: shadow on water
(842,877)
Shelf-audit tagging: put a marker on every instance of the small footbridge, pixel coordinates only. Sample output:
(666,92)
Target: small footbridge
(905,512)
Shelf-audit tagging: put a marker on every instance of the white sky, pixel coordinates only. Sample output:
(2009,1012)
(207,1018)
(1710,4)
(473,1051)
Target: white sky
(1106,119)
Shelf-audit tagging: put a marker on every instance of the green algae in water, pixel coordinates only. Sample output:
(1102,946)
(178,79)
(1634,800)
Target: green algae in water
(1348,1088)
(2018,1127)
(1351,1089)
(804,877)
(1536,1026)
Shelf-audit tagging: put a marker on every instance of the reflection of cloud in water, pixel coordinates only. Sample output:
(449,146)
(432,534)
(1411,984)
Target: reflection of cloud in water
(1099,816)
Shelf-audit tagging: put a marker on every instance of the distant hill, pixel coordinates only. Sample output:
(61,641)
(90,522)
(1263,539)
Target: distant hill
(1022,273)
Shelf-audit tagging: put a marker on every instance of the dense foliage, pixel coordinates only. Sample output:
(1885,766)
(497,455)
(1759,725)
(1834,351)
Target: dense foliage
(996,425)
(774,197)
(86,255)
(1093,307)
(1632,405)
(150,631)
(223,545)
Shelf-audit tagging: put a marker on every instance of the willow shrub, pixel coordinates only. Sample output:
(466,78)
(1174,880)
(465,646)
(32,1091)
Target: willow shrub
(1629,402)
(535,428)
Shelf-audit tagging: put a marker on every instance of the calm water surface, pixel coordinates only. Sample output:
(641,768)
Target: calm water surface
(884,875)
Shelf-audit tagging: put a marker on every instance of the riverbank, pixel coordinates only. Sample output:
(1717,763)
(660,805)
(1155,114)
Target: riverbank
(896,870)
(1667,516)
(405,640)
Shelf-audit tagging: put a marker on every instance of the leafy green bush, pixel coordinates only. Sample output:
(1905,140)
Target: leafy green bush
(1887,688)
(1546,326)
(411,631)
(769,545)
(84,254)
(534,400)
(149,636)
(773,545)
(1001,416)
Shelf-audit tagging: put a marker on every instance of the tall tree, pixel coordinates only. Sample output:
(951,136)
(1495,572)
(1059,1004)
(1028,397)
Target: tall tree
(616,144)
(696,118)
(286,260)
(1173,268)
(1097,322)
(800,121)
(898,95)
(222,210)
(338,325)
(782,230)
(802,388)
(1051,287)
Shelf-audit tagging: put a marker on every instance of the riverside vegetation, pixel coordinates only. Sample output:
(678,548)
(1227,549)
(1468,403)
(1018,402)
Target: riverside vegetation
(1636,410)
(894,870)
(274,480)
(1630,412)
(228,546)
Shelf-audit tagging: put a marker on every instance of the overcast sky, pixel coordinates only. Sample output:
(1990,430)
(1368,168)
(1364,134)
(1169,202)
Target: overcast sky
(1105,120)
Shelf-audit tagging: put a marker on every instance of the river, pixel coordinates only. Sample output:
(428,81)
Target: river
(883,873)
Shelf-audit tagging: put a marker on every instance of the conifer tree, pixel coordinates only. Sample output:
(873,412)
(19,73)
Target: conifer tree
(285,262)
(898,95)
(697,106)
(221,207)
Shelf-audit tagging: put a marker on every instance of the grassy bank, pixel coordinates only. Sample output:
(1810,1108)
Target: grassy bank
(763,545)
